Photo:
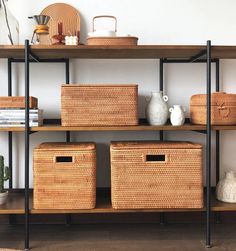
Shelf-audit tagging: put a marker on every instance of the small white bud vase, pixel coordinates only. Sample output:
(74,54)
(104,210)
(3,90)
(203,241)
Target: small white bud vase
(177,115)
(226,188)
(157,109)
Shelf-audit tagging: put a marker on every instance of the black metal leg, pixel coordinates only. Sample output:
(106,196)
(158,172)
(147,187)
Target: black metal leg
(11,217)
(161,83)
(68,136)
(27,134)
(218,218)
(208,147)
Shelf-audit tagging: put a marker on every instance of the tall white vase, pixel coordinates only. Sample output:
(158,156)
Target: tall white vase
(226,188)
(157,109)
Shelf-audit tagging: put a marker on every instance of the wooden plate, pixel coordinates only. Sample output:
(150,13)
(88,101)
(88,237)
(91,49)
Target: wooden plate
(61,12)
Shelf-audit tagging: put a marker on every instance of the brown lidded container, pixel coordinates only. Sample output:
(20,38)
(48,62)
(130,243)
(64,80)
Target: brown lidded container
(99,105)
(65,176)
(17,102)
(223,109)
(156,175)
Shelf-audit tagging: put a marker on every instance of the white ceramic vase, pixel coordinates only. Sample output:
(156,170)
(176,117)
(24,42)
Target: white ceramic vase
(157,109)
(3,198)
(177,115)
(226,188)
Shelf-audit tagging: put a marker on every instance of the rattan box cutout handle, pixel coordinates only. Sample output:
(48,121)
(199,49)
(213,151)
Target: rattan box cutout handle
(63,159)
(105,16)
(156,158)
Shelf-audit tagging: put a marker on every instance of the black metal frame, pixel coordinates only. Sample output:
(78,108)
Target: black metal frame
(31,58)
(199,59)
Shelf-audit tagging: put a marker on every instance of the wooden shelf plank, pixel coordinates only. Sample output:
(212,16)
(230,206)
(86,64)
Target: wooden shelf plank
(15,204)
(186,127)
(58,128)
(135,52)
(224,128)
(93,52)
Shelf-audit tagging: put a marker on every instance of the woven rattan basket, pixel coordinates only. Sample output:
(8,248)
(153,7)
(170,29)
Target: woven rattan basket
(223,109)
(99,105)
(65,176)
(156,175)
(109,41)
(17,102)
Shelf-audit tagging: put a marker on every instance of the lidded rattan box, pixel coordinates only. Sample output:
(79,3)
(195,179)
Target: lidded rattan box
(223,109)
(64,176)
(156,175)
(99,105)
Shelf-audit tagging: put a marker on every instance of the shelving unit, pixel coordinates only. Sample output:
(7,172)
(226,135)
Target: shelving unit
(20,202)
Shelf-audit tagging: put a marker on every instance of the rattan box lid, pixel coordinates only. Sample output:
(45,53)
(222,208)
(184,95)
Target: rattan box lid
(99,85)
(154,145)
(217,99)
(75,146)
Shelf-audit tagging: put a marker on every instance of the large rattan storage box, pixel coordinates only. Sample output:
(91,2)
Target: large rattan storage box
(99,105)
(65,176)
(156,175)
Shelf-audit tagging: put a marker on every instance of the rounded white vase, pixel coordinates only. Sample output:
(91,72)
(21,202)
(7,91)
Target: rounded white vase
(226,188)
(3,198)
(177,115)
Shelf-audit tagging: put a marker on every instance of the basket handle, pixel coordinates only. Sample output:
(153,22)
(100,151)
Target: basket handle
(63,159)
(106,16)
(155,158)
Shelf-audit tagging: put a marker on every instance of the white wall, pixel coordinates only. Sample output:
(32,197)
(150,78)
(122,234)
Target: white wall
(154,22)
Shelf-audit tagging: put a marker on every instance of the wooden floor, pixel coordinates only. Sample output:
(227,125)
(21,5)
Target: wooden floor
(15,205)
(120,237)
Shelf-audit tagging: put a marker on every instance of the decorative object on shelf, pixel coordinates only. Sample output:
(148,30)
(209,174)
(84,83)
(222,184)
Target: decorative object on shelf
(16,117)
(226,188)
(156,175)
(99,104)
(41,28)
(12,112)
(223,109)
(177,116)
(7,102)
(157,109)
(71,40)
(60,38)
(65,176)
(4,176)
(9,26)
(61,13)
(109,37)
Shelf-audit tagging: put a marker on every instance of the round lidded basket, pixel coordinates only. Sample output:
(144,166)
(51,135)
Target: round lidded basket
(223,109)
(111,41)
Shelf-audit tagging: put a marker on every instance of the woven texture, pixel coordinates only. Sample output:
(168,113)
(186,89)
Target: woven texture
(112,41)
(173,182)
(223,109)
(65,185)
(99,105)
(17,102)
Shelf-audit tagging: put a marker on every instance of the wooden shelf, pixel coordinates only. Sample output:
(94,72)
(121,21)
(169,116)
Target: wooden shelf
(56,128)
(14,205)
(135,52)
(83,51)
(168,127)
